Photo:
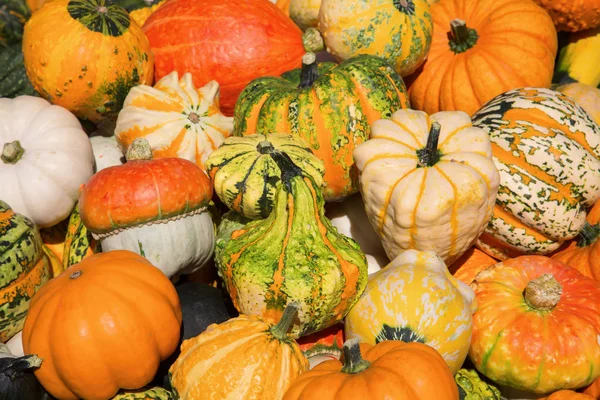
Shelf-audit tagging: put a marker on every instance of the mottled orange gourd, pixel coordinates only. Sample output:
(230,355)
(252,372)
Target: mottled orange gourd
(573,15)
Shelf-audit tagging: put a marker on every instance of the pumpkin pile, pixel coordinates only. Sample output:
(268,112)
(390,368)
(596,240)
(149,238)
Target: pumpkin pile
(299,199)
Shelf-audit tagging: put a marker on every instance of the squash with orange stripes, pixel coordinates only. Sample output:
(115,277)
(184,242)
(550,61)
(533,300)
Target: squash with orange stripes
(294,255)
(428,182)
(331,107)
(177,119)
(546,148)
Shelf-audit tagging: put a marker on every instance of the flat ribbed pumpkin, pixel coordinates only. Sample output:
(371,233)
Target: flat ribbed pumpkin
(415,299)
(428,182)
(546,148)
(482,48)
(177,119)
(330,106)
(399,31)
(573,15)
(537,325)
(243,358)
(85,55)
(245,176)
(23,269)
(294,255)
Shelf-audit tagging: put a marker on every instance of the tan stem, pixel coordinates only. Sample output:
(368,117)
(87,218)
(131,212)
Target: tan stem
(139,150)
(543,293)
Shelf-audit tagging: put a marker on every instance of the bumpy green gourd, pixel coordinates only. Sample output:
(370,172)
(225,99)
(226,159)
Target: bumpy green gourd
(155,393)
(295,254)
(471,387)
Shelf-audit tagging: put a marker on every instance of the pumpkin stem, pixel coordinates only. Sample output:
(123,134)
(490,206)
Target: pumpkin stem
(313,41)
(139,150)
(280,330)
(588,235)
(288,169)
(430,155)
(20,365)
(353,361)
(265,147)
(543,292)
(461,38)
(310,70)
(12,152)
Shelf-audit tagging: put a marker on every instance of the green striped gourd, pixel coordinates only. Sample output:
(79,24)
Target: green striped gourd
(23,269)
(330,106)
(547,150)
(246,177)
(295,254)
(13,15)
(79,242)
(154,393)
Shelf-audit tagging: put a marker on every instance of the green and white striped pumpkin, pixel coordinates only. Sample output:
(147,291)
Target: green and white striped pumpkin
(23,269)
(245,176)
(294,255)
(547,150)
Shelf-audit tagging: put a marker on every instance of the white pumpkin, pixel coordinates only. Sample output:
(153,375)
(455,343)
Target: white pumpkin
(107,152)
(427,191)
(177,119)
(15,345)
(45,157)
(305,13)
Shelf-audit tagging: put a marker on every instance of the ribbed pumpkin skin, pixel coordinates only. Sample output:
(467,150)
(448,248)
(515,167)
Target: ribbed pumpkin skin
(573,15)
(246,178)
(516,47)
(121,316)
(546,149)
(333,115)
(398,31)
(238,359)
(539,351)
(231,42)
(23,269)
(83,68)
(13,78)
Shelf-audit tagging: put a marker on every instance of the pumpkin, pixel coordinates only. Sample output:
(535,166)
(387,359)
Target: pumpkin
(471,387)
(573,16)
(330,106)
(593,389)
(583,253)
(126,306)
(79,242)
(140,10)
(240,41)
(305,13)
(15,345)
(428,182)
(432,307)
(54,264)
(154,207)
(481,50)
(252,359)
(16,380)
(85,55)
(323,345)
(397,31)
(177,119)
(53,238)
(579,58)
(588,97)
(23,269)
(107,152)
(568,395)
(536,326)
(295,254)
(374,372)
(13,15)
(472,262)
(44,155)
(13,78)
(153,393)
(546,149)
(246,177)
(283,5)
(35,5)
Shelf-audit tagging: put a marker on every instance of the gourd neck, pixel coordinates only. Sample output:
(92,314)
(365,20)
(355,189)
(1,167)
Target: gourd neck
(12,152)
(430,155)
(313,41)
(461,38)
(353,361)
(280,330)
(543,293)
(588,235)
(309,72)
(139,150)
(21,364)
(289,170)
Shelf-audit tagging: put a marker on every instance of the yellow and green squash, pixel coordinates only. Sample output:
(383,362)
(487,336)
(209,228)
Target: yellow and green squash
(578,60)
(79,242)
(472,387)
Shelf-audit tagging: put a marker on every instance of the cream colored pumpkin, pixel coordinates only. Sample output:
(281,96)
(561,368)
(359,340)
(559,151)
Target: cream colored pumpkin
(424,194)
(44,157)
(588,97)
(107,152)
(177,119)
(416,299)
(305,13)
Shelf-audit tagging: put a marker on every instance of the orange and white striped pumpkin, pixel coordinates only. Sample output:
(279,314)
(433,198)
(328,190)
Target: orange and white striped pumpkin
(428,182)
(546,148)
(177,119)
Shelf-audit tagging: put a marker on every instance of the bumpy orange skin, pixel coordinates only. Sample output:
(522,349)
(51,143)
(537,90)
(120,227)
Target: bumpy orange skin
(573,15)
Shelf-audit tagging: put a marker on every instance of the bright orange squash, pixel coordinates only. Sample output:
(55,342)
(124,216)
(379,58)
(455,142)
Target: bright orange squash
(472,262)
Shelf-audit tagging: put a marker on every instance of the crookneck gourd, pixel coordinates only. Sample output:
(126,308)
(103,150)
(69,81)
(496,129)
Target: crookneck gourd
(295,254)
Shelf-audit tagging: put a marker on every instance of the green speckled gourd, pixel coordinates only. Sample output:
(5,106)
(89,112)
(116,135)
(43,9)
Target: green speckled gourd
(79,242)
(23,269)
(154,393)
(295,254)
(13,78)
(13,15)
(330,106)
(471,387)
(246,177)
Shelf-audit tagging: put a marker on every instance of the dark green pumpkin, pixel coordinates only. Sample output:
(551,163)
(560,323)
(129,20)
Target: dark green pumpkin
(17,381)
(471,387)
(13,15)
(13,78)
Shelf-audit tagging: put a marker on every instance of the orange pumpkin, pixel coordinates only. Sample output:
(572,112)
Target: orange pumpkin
(573,15)
(283,5)
(391,370)
(593,390)
(481,48)
(472,262)
(104,324)
(567,395)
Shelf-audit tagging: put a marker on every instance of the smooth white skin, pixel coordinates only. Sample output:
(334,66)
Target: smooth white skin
(107,152)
